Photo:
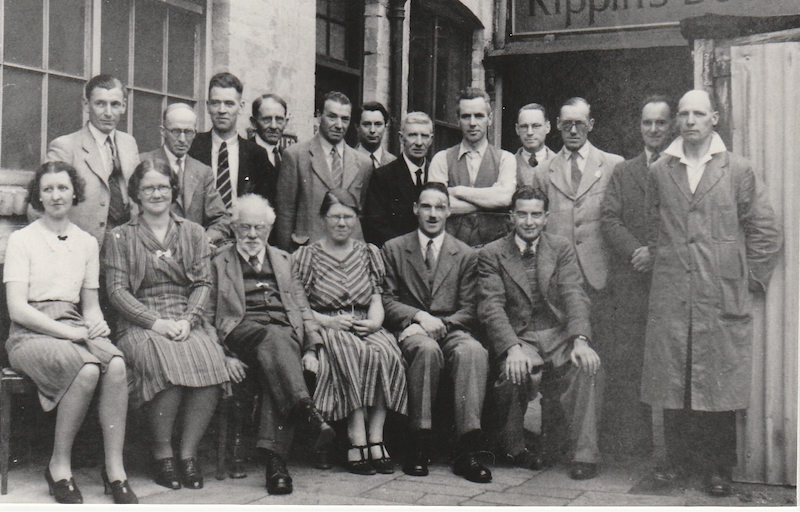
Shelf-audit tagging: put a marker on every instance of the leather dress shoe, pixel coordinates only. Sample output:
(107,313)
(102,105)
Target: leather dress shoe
(667,474)
(64,491)
(529,460)
(468,466)
(191,476)
(583,471)
(166,475)
(237,459)
(316,424)
(416,463)
(278,479)
(718,486)
(323,458)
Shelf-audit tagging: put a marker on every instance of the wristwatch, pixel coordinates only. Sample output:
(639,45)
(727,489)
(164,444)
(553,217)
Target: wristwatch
(581,337)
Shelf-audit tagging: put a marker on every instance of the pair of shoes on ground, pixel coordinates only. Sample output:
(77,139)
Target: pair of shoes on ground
(716,483)
(369,465)
(191,477)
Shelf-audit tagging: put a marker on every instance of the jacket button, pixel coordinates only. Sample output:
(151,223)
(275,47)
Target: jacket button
(102,203)
(102,224)
(578,242)
(691,240)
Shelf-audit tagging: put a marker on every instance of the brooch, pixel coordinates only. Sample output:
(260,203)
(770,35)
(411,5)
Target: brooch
(164,254)
(598,174)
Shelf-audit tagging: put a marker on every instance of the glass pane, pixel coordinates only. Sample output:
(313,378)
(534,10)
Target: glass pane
(64,107)
(23,32)
(180,70)
(337,50)
(114,38)
(146,115)
(322,7)
(171,100)
(338,10)
(67,20)
(322,37)
(22,119)
(452,67)
(148,53)
(420,63)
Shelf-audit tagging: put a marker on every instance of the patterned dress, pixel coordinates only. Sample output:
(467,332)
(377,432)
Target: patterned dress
(351,367)
(148,280)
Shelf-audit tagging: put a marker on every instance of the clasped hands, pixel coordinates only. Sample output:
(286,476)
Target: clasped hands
(347,322)
(90,330)
(176,330)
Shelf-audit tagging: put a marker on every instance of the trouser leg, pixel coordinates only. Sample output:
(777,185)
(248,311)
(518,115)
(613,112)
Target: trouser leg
(424,360)
(467,363)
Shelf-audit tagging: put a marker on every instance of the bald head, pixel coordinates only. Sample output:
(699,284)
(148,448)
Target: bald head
(178,128)
(697,118)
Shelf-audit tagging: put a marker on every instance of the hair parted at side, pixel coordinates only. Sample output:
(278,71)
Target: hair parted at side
(577,100)
(374,106)
(416,118)
(145,166)
(533,106)
(104,82)
(54,167)
(526,193)
(434,185)
(338,196)
(225,80)
(269,96)
(255,202)
(176,106)
(339,97)
(657,98)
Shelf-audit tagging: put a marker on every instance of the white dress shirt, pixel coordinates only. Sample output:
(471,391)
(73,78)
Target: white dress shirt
(583,154)
(437,243)
(541,155)
(100,139)
(507,173)
(233,159)
(522,244)
(412,168)
(270,148)
(326,147)
(695,170)
(173,161)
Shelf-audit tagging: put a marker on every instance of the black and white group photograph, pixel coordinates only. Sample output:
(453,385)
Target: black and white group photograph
(336,253)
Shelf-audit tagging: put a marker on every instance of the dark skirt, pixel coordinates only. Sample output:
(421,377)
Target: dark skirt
(53,363)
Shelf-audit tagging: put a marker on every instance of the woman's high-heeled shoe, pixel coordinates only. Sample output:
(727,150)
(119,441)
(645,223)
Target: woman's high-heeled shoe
(122,492)
(166,474)
(384,464)
(191,476)
(64,491)
(362,466)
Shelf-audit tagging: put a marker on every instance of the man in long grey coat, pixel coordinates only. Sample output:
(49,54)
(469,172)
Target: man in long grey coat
(715,240)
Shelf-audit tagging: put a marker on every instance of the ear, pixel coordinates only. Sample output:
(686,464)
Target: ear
(415,208)
(253,123)
(715,118)
(547,127)
(85,103)
(591,124)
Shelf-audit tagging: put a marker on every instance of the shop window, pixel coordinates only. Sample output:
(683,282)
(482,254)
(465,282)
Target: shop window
(47,56)
(440,56)
(340,43)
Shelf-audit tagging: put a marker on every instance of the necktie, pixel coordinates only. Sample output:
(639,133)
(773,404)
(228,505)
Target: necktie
(418,183)
(430,258)
(576,172)
(277,156)
(117,209)
(528,251)
(179,166)
(653,158)
(375,163)
(336,168)
(254,263)
(224,176)
(532,161)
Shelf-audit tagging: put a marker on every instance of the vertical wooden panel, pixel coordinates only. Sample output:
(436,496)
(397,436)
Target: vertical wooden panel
(765,123)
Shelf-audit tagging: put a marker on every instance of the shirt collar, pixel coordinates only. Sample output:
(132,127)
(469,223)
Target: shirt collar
(217,140)
(437,241)
(101,137)
(378,153)
(676,148)
(540,155)
(481,149)
(522,244)
(247,257)
(412,166)
(264,144)
(326,146)
(172,159)
(583,151)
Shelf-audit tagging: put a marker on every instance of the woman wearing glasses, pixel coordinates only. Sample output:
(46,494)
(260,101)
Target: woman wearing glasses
(159,277)
(361,372)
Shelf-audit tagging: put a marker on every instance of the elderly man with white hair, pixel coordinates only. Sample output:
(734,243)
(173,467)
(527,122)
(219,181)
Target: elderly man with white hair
(263,318)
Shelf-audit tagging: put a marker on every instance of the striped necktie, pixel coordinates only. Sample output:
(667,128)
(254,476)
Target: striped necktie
(224,176)
(117,208)
(336,168)
(277,156)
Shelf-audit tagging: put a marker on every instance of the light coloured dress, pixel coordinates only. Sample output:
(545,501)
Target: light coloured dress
(351,368)
(55,270)
(148,280)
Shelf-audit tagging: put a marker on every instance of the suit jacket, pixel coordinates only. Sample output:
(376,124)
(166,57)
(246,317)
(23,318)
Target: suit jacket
(256,174)
(577,215)
(525,171)
(505,302)
(303,181)
(227,303)
(80,150)
(199,200)
(389,205)
(386,157)
(407,290)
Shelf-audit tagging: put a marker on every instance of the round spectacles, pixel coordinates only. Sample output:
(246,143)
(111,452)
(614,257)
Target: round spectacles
(245,228)
(339,218)
(186,132)
(150,190)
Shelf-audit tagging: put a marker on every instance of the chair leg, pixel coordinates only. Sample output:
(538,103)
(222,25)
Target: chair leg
(5,434)
(222,439)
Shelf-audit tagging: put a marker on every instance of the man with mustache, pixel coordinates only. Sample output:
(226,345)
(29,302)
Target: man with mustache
(310,169)
(429,299)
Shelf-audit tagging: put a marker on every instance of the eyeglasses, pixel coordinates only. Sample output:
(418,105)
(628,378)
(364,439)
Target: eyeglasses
(187,132)
(150,190)
(529,215)
(567,125)
(245,228)
(339,218)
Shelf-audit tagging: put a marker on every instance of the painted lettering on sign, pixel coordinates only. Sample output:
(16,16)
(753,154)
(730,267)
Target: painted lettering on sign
(550,16)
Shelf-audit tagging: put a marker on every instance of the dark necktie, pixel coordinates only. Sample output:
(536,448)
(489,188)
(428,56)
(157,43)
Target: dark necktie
(653,158)
(375,163)
(418,183)
(532,161)
(528,251)
(430,257)
(117,209)
(254,263)
(224,176)
(576,172)
(336,168)
(277,155)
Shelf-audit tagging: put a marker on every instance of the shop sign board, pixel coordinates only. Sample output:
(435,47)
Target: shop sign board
(541,17)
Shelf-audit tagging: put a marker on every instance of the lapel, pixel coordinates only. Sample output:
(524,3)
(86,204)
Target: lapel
(189,180)
(557,171)
(233,273)
(511,260)
(94,160)
(445,264)
(319,163)
(545,263)
(283,273)
(592,171)
(414,257)
(350,166)
(711,175)
(639,171)
(403,180)
(677,172)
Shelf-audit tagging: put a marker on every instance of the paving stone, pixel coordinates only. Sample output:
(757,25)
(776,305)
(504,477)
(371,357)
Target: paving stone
(445,476)
(610,479)
(509,498)
(605,499)
(305,498)
(386,493)
(476,503)
(452,490)
(440,500)
(534,488)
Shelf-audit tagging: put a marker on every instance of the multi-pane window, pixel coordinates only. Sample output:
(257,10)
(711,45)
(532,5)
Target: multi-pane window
(440,53)
(49,52)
